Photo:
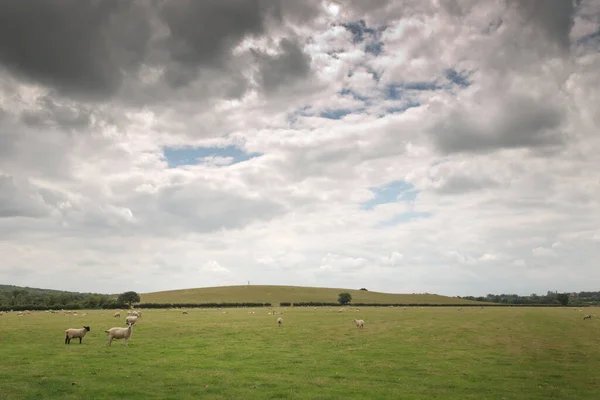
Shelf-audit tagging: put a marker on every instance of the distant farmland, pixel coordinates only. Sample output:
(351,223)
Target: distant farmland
(292,294)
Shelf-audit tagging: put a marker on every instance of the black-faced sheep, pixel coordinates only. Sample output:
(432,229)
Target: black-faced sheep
(72,333)
(279,321)
(587,317)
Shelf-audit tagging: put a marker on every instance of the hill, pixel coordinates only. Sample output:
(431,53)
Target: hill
(292,294)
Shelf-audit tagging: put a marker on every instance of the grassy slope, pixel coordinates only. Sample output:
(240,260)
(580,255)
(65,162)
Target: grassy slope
(277,294)
(418,353)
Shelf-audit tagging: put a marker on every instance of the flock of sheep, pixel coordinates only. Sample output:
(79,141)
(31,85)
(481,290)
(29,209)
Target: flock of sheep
(113,333)
(132,317)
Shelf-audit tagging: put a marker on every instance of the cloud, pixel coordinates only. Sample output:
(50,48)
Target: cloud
(517,121)
(20,200)
(554,18)
(162,145)
(543,252)
(79,48)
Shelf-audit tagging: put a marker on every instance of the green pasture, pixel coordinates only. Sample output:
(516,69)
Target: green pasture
(412,353)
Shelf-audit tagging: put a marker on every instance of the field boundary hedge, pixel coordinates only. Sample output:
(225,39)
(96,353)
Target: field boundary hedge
(282,304)
(201,305)
(317,304)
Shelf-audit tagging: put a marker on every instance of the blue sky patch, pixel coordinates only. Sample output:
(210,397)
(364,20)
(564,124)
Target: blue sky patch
(374,48)
(457,78)
(361,33)
(350,92)
(335,114)
(178,156)
(396,91)
(391,193)
(403,217)
(359,29)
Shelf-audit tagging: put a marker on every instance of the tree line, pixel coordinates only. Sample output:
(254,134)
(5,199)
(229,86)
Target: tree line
(25,298)
(581,298)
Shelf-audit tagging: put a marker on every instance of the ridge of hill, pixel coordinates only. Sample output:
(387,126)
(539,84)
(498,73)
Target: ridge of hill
(294,294)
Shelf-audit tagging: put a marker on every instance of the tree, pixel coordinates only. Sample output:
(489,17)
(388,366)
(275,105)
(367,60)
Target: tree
(129,298)
(364,289)
(344,298)
(563,298)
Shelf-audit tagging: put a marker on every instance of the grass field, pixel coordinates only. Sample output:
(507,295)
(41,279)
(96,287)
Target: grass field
(413,353)
(278,294)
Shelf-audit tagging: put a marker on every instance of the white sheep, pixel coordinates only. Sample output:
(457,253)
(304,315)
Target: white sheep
(75,333)
(132,318)
(279,321)
(587,317)
(119,333)
(359,323)
(117,314)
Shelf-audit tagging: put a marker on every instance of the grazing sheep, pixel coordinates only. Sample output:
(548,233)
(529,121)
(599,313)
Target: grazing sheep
(75,333)
(587,317)
(119,333)
(184,312)
(359,323)
(279,321)
(132,319)
(117,314)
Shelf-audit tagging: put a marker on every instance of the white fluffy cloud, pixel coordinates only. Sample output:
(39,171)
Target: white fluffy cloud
(480,119)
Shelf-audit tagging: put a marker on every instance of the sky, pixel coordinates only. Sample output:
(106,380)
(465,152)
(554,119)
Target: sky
(446,147)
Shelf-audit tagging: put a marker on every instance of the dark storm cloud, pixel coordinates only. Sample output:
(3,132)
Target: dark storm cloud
(203,34)
(519,122)
(276,71)
(87,49)
(553,17)
(78,47)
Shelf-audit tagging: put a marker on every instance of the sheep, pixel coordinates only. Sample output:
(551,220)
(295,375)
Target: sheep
(359,323)
(184,312)
(587,317)
(132,319)
(119,333)
(279,321)
(76,333)
(117,314)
